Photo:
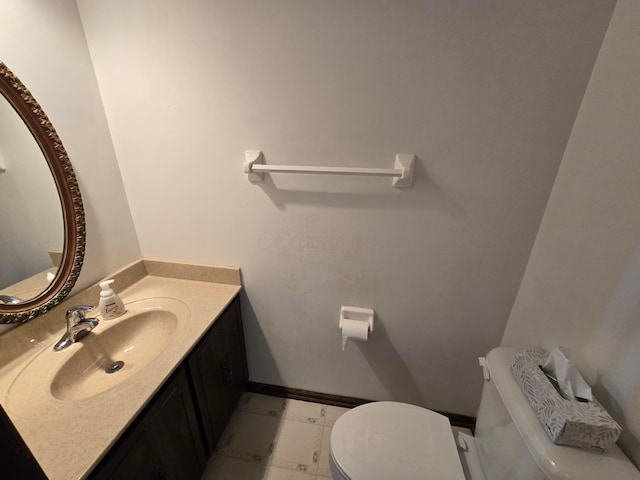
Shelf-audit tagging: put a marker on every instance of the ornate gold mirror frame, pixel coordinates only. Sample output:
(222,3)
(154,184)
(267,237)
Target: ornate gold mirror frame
(72,211)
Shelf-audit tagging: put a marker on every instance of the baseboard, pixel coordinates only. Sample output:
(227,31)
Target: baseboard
(339,400)
(305,395)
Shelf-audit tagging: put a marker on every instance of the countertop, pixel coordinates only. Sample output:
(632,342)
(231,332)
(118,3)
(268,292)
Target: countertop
(30,287)
(69,438)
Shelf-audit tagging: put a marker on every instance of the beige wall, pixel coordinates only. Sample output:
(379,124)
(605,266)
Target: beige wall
(581,288)
(43,43)
(485,95)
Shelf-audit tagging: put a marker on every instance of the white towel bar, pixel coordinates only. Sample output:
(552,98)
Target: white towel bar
(402,174)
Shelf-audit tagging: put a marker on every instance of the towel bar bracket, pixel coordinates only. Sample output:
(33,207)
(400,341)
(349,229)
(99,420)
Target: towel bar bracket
(406,163)
(251,158)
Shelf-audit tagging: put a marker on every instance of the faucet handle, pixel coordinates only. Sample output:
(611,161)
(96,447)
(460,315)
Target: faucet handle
(77,312)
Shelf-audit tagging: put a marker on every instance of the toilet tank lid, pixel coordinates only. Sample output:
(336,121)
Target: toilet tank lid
(556,461)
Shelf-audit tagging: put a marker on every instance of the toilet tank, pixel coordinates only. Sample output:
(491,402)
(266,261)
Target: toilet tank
(512,444)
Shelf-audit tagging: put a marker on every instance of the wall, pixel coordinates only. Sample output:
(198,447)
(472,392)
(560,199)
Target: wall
(581,288)
(484,93)
(43,43)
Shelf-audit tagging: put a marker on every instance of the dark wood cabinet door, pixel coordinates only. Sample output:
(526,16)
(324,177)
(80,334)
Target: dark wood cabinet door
(136,460)
(163,444)
(229,348)
(209,386)
(219,372)
(175,435)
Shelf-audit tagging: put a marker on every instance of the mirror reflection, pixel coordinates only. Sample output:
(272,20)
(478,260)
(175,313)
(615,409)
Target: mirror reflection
(36,222)
(32,236)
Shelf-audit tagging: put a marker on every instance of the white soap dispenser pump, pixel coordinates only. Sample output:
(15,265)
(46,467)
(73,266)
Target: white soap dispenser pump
(111,305)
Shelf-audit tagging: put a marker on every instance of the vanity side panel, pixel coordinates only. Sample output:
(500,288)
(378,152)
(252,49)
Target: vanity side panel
(16,460)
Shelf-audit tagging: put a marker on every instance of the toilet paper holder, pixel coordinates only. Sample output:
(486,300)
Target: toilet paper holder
(357,313)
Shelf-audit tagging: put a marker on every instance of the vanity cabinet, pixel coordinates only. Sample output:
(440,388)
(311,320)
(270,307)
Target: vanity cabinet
(218,369)
(174,435)
(163,443)
(16,460)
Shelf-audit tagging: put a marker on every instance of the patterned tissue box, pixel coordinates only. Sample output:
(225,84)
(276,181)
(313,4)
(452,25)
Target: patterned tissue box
(567,422)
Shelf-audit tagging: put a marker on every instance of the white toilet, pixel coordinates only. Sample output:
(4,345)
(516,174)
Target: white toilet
(396,441)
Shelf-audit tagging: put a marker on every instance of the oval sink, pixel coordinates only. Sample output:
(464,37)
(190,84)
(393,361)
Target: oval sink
(136,342)
(130,342)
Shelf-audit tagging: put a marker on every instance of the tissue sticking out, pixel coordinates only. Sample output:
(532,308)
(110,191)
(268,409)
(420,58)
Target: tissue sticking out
(570,383)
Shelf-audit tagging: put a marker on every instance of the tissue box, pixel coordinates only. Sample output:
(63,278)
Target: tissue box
(567,422)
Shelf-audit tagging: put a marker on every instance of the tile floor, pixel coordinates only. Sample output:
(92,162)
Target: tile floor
(272,438)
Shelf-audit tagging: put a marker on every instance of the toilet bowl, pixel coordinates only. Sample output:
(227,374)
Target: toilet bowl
(390,440)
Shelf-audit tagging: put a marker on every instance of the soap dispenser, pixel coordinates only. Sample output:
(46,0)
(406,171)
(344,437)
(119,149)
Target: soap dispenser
(111,305)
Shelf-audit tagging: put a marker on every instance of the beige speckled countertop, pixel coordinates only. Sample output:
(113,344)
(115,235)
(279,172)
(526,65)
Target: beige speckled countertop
(68,438)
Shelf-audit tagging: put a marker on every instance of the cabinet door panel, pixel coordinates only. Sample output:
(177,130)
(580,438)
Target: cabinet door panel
(175,435)
(219,372)
(132,458)
(138,463)
(229,359)
(209,385)
(163,444)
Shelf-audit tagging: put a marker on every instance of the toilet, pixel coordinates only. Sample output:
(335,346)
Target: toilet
(396,441)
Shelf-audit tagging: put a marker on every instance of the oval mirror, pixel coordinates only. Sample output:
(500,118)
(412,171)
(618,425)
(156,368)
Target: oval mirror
(41,215)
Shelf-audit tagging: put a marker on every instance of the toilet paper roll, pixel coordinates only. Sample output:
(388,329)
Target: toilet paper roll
(355,330)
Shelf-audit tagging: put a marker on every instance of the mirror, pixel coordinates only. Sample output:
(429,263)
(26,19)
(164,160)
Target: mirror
(43,231)
(30,212)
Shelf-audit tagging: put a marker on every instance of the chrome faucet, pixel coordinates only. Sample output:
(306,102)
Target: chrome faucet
(10,300)
(77,326)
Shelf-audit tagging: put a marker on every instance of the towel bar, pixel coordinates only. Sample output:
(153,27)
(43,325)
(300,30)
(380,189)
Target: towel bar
(402,174)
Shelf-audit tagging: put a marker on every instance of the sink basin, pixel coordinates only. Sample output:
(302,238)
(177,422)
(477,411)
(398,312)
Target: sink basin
(95,366)
(108,356)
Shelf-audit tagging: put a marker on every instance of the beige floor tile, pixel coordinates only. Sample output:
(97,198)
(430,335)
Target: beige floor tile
(276,473)
(333,413)
(252,438)
(297,446)
(227,468)
(305,411)
(322,477)
(323,458)
(232,426)
(263,404)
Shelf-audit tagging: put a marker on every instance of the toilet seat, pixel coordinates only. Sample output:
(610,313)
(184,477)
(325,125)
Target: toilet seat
(390,440)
